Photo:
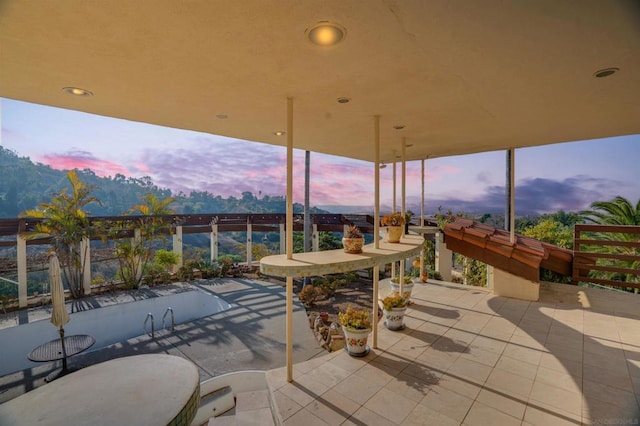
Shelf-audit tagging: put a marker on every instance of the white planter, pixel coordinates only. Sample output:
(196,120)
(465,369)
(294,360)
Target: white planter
(356,341)
(394,319)
(407,289)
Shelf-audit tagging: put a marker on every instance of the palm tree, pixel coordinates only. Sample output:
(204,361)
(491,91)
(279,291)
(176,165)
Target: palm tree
(135,254)
(618,211)
(66,222)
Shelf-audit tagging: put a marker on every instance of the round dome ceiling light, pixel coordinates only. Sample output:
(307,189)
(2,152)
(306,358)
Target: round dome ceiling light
(326,33)
(76,91)
(605,72)
(399,126)
(344,100)
(279,133)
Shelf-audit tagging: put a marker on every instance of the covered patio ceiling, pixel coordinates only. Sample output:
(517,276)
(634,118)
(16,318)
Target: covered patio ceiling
(460,76)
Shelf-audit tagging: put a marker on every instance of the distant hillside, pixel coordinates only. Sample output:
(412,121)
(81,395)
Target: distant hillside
(24,184)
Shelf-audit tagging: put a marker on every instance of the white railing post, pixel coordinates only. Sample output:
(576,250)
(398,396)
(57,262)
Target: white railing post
(177,246)
(85,262)
(135,242)
(22,271)
(315,238)
(283,243)
(249,245)
(214,242)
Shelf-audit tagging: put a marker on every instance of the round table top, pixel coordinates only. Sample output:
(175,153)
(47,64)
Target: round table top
(136,390)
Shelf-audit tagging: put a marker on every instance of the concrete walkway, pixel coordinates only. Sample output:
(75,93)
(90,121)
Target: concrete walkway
(251,335)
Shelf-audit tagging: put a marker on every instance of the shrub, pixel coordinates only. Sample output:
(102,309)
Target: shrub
(308,295)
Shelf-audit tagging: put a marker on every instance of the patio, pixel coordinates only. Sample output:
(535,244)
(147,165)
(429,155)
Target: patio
(469,357)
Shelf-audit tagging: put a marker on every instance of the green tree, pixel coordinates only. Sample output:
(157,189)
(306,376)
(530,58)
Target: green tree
(552,232)
(66,222)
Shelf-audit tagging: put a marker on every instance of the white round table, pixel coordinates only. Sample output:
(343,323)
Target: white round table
(136,390)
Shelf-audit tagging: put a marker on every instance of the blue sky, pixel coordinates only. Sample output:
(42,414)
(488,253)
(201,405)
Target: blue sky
(566,176)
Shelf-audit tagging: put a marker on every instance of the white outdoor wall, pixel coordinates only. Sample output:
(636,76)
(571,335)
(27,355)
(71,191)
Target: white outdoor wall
(107,325)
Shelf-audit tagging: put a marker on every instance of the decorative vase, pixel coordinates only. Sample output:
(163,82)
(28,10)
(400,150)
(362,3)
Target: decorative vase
(394,233)
(407,289)
(394,318)
(356,341)
(352,245)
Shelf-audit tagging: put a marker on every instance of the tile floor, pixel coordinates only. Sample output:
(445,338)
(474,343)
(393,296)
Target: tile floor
(469,357)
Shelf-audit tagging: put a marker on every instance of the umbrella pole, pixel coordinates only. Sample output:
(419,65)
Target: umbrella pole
(64,353)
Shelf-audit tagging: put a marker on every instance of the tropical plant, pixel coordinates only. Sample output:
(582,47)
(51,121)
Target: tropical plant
(66,222)
(618,211)
(353,232)
(355,318)
(135,254)
(393,219)
(394,301)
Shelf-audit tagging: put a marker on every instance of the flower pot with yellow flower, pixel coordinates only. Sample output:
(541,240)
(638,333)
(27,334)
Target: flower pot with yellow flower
(356,325)
(395,306)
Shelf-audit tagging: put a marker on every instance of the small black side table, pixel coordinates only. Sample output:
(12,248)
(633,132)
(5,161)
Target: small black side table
(52,351)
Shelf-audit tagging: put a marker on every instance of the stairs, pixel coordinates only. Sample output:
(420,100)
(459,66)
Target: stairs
(251,409)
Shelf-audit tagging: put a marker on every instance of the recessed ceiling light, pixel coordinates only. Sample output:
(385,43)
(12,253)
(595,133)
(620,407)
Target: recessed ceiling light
(76,91)
(605,72)
(222,116)
(344,100)
(399,126)
(326,33)
(279,133)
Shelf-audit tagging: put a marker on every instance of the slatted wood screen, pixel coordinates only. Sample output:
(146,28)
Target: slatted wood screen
(607,255)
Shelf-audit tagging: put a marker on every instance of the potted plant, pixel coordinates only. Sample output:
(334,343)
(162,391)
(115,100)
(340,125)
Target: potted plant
(356,324)
(395,226)
(353,240)
(407,288)
(394,307)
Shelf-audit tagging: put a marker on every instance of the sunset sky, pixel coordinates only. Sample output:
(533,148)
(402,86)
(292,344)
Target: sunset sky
(566,176)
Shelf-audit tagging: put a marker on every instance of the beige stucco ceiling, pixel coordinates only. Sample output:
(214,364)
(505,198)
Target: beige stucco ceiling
(462,76)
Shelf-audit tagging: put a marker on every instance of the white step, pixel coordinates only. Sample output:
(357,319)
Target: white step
(252,409)
(214,404)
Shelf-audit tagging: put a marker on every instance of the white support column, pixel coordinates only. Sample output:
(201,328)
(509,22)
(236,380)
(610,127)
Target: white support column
(249,245)
(85,253)
(376,226)
(403,210)
(214,242)
(22,271)
(283,239)
(444,258)
(422,253)
(315,238)
(289,233)
(177,247)
(376,281)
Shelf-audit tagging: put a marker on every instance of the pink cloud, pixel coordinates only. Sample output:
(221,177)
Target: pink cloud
(83,160)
